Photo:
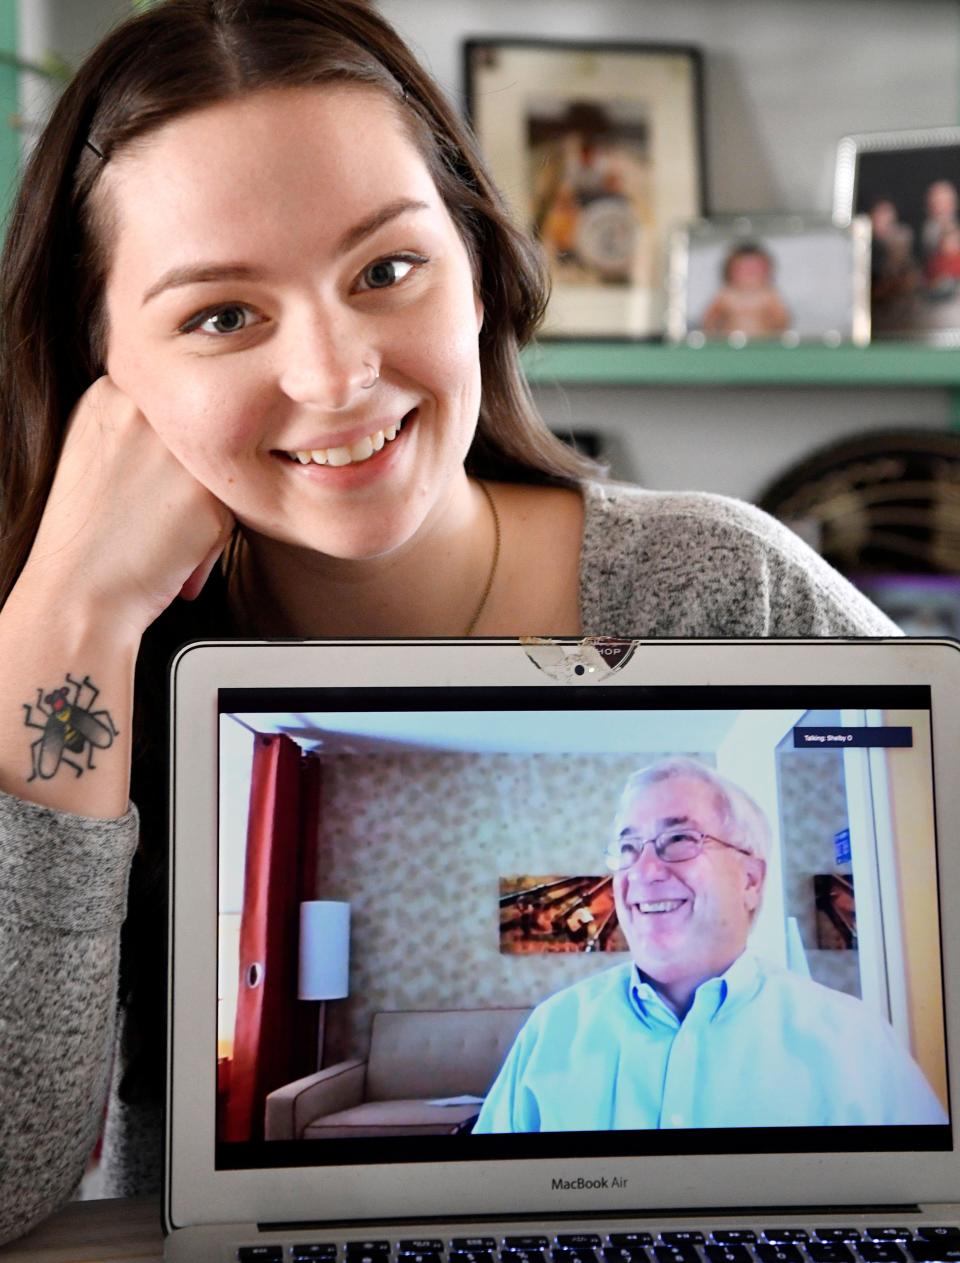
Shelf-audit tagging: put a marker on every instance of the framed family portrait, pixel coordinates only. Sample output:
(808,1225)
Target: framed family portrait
(908,183)
(598,150)
(788,279)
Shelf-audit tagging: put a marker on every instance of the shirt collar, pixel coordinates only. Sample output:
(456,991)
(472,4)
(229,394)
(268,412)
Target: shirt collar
(726,992)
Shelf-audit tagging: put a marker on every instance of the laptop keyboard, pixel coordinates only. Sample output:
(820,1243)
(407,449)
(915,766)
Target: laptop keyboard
(939,1244)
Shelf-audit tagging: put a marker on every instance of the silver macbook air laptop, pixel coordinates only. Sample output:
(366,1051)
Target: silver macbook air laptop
(558,952)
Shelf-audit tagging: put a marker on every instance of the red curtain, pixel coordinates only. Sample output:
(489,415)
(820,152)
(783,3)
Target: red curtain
(275,1034)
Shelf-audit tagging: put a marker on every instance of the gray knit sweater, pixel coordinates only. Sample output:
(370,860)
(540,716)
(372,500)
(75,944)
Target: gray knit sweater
(652,565)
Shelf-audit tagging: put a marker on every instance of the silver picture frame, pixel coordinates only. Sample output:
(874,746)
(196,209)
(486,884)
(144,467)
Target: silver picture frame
(908,184)
(787,280)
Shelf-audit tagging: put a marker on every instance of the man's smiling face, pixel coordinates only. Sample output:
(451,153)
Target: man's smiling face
(684,922)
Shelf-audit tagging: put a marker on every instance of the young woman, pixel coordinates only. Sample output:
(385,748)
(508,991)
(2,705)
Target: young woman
(261,310)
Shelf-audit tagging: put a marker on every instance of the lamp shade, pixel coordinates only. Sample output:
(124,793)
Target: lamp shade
(324,950)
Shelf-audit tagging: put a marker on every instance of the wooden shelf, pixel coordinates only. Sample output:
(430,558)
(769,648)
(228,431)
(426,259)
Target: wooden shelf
(651,364)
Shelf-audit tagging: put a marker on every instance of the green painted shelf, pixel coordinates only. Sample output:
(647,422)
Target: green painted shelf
(647,364)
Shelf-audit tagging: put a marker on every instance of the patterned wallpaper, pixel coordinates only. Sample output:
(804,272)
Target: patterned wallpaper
(813,807)
(417,842)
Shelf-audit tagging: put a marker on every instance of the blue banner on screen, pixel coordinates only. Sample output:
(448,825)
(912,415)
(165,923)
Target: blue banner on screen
(838,738)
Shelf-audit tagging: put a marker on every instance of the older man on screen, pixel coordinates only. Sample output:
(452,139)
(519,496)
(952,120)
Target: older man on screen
(696,1031)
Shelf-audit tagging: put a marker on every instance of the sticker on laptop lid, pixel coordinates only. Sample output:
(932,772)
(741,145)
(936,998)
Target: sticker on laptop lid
(584,661)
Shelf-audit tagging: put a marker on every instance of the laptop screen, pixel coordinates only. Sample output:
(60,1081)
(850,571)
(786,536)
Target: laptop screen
(481,923)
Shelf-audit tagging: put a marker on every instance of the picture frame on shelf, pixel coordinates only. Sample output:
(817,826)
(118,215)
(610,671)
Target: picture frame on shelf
(908,183)
(597,148)
(789,280)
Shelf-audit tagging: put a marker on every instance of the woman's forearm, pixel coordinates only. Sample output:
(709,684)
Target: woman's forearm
(66,697)
(63,885)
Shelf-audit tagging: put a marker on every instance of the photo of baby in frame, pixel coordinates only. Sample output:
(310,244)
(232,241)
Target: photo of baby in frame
(786,279)
(908,183)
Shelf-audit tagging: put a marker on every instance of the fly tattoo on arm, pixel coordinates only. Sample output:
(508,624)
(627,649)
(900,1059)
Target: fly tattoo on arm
(68,725)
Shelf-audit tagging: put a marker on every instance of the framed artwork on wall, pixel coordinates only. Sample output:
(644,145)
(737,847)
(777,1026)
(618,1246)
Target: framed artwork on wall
(788,279)
(598,150)
(836,907)
(881,504)
(558,913)
(908,183)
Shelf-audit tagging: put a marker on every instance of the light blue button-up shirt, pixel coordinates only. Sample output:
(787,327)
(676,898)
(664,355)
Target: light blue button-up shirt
(759,1047)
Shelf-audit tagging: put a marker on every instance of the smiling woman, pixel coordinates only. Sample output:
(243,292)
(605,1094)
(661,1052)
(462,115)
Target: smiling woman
(359,321)
(260,315)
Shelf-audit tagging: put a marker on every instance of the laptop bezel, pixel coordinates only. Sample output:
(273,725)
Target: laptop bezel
(196,1193)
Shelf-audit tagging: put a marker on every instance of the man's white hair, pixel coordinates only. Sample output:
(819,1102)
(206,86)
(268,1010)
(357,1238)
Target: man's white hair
(743,822)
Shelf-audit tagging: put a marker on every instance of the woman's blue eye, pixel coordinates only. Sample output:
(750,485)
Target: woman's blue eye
(386,272)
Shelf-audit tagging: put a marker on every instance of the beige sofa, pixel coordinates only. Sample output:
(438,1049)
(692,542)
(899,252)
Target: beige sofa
(414,1057)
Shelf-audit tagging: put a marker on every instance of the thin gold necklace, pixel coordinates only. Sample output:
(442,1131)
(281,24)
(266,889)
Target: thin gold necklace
(236,577)
(493,565)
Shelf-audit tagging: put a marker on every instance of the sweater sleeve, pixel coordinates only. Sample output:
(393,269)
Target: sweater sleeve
(688,564)
(63,886)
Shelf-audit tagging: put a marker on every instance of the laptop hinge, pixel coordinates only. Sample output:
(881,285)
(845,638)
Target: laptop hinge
(682,1212)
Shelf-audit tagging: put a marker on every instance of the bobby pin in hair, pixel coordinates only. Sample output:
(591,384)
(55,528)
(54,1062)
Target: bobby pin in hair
(90,145)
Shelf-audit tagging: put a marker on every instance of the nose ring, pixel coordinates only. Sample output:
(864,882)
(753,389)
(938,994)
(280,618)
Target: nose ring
(373,380)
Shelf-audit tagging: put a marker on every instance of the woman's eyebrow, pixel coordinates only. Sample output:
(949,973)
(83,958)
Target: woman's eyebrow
(195,274)
(353,236)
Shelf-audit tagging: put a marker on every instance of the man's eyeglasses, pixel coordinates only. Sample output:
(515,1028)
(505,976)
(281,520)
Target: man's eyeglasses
(673,846)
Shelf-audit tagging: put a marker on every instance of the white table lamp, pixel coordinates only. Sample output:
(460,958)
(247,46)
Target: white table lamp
(324,956)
